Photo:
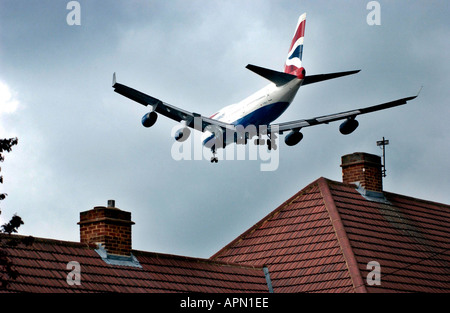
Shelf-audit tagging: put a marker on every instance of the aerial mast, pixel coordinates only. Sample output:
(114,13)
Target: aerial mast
(383,143)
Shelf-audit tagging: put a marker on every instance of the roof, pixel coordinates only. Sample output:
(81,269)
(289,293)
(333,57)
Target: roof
(322,239)
(43,267)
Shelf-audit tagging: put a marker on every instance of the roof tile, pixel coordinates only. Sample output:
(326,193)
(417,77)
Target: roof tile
(407,237)
(42,268)
(319,240)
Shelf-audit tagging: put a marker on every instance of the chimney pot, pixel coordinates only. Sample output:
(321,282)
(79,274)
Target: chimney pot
(364,169)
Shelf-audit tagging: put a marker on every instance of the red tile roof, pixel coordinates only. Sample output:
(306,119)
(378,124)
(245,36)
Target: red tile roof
(43,268)
(322,239)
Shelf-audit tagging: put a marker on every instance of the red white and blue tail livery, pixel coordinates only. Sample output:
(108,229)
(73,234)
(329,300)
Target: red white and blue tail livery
(294,58)
(259,109)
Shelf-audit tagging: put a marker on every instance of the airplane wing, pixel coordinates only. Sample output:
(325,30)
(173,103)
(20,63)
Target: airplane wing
(168,110)
(297,125)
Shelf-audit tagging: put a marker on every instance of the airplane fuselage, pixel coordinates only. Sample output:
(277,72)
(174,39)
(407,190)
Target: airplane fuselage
(260,108)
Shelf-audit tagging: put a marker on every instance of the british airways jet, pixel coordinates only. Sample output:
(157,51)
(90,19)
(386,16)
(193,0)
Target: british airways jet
(259,109)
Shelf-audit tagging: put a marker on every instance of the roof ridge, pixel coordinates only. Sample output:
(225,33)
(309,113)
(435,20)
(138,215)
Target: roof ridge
(390,193)
(341,236)
(436,211)
(265,219)
(67,243)
(196,259)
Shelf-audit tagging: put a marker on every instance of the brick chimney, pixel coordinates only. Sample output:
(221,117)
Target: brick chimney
(363,169)
(109,227)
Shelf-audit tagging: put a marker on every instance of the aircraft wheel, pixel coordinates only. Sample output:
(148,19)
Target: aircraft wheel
(271,146)
(259,142)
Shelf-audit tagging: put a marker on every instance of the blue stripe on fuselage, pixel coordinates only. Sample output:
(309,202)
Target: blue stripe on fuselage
(264,115)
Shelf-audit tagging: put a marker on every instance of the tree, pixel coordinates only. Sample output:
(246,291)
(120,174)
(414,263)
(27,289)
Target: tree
(6,145)
(7,271)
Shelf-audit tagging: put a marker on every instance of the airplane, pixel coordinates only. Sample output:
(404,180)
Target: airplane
(259,109)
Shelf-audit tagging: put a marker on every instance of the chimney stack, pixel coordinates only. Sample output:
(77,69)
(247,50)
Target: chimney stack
(362,169)
(109,227)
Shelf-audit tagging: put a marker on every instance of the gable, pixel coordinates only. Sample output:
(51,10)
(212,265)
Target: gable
(298,243)
(325,237)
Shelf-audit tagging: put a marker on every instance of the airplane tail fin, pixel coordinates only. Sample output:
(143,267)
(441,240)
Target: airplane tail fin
(293,63)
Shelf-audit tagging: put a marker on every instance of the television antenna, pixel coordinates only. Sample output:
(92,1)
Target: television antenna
(383,143)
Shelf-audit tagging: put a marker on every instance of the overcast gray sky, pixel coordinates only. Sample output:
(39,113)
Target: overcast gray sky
(81,144)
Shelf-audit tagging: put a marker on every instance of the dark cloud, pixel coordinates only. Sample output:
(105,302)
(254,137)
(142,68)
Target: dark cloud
(81,144)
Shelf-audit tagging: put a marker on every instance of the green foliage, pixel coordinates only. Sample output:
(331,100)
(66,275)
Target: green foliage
(7,271)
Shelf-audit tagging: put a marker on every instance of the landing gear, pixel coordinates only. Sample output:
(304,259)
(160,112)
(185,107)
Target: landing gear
(214,158)
(260,142)
(271,142)
(271,145)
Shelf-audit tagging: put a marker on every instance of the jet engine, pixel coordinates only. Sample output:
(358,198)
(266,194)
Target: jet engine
(213,137)
(348,126)
(149,119)
(293,138)
(182,134)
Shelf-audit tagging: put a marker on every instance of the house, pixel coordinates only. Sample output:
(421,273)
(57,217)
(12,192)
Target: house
(350,237)
(346,237)
(103,261)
